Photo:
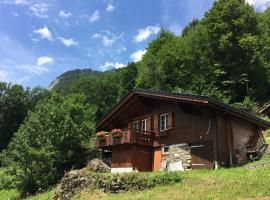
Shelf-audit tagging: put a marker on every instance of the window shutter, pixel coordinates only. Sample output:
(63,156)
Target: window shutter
(170,120)
(148,123)
(156,124)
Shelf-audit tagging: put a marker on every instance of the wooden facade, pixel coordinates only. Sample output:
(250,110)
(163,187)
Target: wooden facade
(172,126)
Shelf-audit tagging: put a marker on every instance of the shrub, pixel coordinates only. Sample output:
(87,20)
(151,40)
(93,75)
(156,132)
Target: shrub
(53,138)
(115,183)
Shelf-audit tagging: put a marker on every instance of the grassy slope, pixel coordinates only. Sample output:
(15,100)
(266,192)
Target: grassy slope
(236,183)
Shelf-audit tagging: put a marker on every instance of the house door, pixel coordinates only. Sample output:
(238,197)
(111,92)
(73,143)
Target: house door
(202,155)
(143,158)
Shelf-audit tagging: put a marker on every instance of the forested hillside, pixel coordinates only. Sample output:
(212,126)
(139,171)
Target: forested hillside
(225,55)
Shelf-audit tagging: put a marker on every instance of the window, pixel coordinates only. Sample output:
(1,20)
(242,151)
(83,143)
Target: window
(163,122)
(165,149)
(144,124)
(136,125)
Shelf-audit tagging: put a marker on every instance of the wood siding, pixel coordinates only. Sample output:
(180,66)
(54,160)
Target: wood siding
(245,136)
(223,138)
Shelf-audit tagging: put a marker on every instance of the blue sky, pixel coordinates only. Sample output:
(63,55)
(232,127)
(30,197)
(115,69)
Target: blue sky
(39,40)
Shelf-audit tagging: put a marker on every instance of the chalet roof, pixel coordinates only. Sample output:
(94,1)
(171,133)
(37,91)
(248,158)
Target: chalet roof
(187,98)
(265,107)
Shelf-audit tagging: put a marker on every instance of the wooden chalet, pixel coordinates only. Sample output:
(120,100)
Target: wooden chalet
(152,130)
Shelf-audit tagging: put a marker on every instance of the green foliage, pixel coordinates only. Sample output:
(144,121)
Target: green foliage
(15,102)
(51,140)
(115,183)
(248,105)
(7,182)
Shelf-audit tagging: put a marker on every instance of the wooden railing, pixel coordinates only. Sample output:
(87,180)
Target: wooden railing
(126,136)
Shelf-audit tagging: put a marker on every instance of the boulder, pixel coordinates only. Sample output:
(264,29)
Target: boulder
(97,165)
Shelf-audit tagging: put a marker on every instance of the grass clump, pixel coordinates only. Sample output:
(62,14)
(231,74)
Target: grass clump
(116,183)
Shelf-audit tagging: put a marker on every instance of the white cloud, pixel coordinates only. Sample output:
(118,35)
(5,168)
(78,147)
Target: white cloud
(17,2)
(108,38)
(145,33)
(68,41)
(14,14)
(39,10)
(18,64)
(65,14)
(4,76)
(44,33)
(44,60)
(137,56)
(260,5)
(33,69)
(110,8)
(111,65)
(94,17)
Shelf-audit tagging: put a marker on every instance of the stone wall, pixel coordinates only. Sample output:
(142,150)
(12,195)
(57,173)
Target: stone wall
(177,159)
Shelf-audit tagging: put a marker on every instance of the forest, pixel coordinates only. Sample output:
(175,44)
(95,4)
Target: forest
(45,132)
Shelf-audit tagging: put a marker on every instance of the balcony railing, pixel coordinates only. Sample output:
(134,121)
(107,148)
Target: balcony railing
(124,136)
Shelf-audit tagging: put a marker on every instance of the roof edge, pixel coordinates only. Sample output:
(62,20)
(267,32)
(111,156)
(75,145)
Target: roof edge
(192,98)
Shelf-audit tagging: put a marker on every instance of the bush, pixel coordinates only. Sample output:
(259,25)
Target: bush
(7,181)
(53,138)
(115,183)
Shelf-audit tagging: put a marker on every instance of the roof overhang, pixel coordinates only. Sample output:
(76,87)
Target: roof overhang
(185,98)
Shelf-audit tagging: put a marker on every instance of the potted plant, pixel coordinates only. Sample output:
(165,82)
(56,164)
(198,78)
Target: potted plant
(101,134)
(117,132)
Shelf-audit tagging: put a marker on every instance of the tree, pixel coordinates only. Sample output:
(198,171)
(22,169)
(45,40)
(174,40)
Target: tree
(15,102)
(53,138)
(127,79)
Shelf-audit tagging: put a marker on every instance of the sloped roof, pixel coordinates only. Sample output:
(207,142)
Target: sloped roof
(265,107)
(187,98)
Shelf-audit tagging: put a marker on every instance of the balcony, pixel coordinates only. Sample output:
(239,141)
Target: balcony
(124,136)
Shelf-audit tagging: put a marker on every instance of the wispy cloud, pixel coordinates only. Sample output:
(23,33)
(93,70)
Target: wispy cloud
(17,63)
(108,38)
(94,17)
(44,33)
(4,76)
(137,56)
(18,2)
(44,60)
(68,41)
(110,8)
(37,8)
(15,14)
(65,14)
(111,65)
(40,10)
(144,33)
(259,5)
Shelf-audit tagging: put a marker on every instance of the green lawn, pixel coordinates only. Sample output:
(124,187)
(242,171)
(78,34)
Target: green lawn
(267,140)
(236,183)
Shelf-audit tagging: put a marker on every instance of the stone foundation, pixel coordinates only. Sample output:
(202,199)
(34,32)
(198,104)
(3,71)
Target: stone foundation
(177,159)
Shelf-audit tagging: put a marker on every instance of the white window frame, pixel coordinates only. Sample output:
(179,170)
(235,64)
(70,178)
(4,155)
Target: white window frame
(163,149)
(166,122)
(144,125)
(137,126)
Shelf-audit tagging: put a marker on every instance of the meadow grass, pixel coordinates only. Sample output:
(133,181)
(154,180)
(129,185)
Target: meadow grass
(234,183)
